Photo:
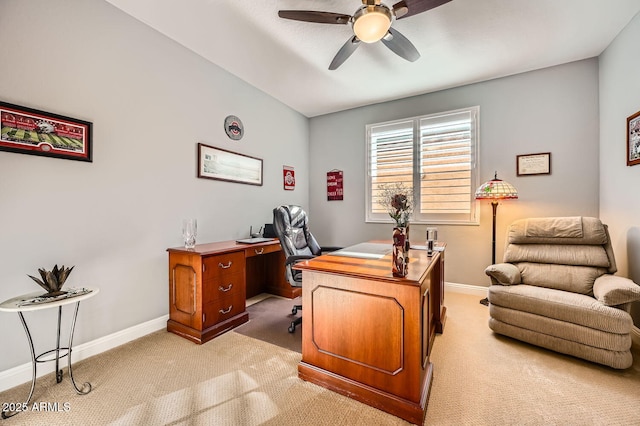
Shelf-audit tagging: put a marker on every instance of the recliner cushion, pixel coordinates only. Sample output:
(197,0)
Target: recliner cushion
(575,279)
(563,254)
(555,227)
(615,359)
(563,306)
(562,329)
(593,231)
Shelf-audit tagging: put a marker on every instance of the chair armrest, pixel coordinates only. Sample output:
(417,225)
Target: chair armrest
(503,274)
(297,258)
(329,249)
(613,290)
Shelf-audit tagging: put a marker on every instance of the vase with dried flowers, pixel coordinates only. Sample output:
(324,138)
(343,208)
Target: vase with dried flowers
(398,200)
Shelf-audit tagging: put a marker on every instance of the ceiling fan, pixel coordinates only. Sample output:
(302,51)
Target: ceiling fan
(371,22)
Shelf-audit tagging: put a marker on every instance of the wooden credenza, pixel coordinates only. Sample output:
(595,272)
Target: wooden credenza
(209,285)
(368,335)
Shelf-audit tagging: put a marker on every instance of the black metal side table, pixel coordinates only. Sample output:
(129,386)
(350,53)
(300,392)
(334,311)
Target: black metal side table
(34,302)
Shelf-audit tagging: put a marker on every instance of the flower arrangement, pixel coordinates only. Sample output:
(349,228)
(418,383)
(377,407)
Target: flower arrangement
(398,200)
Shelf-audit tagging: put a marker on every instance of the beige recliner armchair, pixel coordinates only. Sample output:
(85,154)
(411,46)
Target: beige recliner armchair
(556,289)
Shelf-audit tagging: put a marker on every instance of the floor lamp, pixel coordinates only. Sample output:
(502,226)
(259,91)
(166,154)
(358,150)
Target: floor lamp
(495,190)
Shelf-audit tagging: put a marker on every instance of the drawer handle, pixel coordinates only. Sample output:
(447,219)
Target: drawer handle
(226,311)
(259,252)
(227,266)
(225,289)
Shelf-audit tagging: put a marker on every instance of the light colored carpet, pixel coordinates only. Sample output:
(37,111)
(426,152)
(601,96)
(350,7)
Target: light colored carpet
(269,320)
(479,379)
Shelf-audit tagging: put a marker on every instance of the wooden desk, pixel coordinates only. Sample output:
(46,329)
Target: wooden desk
(367,334)
(209,285)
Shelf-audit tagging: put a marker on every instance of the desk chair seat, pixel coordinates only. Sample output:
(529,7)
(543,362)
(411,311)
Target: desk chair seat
(290,224)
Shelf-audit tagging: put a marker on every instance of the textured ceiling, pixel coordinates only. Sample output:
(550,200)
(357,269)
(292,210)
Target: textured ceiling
(461,42)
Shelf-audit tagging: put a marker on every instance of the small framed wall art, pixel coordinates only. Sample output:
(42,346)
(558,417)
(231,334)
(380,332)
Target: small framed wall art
(533,164)
(289,178)
(335,185)
(30,131)
(233,127)
(633,139)
(220,164)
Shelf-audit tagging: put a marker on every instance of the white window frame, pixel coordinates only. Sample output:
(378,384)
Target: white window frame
(472,218)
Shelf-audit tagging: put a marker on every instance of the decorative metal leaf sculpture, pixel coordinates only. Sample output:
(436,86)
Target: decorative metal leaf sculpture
(53,280)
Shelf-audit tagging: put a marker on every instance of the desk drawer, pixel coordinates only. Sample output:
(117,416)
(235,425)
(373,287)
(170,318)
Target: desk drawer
(258,250)
(224,286)
(223,265)
(223,309)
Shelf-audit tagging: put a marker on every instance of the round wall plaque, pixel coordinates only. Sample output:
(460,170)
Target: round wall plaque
(233,127)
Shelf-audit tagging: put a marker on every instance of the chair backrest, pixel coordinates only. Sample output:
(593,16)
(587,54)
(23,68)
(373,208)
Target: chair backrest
(567,253)
(291,226)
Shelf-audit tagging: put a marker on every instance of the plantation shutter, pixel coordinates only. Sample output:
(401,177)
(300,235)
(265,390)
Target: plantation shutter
(435,156)
(446,162)
(390,160)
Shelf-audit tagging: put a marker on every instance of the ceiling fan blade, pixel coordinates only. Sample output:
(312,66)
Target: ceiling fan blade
(400,45)
(406,8)
(315,16)
(345,51)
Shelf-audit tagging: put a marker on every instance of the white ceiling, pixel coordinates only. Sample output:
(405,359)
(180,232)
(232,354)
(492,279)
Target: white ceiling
(461,42)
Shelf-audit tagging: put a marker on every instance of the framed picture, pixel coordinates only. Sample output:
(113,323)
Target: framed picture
(220,164)
(633,139)
(30,131)
(533,164)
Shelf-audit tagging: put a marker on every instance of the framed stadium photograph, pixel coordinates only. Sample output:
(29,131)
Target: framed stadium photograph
(220,164)
(30,131)
(633,139)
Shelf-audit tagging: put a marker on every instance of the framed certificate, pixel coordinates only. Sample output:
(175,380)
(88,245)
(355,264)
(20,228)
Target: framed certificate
(533,164)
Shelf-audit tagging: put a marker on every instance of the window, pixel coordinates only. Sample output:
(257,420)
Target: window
(436,156)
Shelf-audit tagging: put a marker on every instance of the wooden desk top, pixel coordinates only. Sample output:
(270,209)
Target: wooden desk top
(372,268)
(220,247)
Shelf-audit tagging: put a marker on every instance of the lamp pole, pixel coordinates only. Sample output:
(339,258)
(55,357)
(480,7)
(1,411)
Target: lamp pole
(494,204)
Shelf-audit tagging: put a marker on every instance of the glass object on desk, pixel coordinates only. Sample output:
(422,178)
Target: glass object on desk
(189,232)
(432,237)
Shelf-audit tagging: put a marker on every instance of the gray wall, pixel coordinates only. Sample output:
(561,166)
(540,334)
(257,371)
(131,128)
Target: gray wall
(552,110)
(151,101)
(619,199)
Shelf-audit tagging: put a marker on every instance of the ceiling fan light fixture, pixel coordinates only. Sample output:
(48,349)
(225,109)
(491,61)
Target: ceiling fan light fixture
(371,23)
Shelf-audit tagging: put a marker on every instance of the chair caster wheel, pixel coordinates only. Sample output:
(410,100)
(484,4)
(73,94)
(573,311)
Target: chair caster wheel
(294,311)
(292,328)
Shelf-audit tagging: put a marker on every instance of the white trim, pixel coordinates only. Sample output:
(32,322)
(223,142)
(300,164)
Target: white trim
(22,373)
(466,289)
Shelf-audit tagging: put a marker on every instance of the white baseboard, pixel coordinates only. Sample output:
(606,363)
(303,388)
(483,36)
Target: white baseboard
(466,289)
(22,373)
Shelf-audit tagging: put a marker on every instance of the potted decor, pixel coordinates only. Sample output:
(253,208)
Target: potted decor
(53,280)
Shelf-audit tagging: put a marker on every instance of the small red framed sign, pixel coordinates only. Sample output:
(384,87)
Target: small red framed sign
(288,178)
(30,131)
(633,139)
(335,182)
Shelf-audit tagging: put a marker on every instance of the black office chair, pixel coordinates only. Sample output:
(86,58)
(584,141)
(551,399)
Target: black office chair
(291,228)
